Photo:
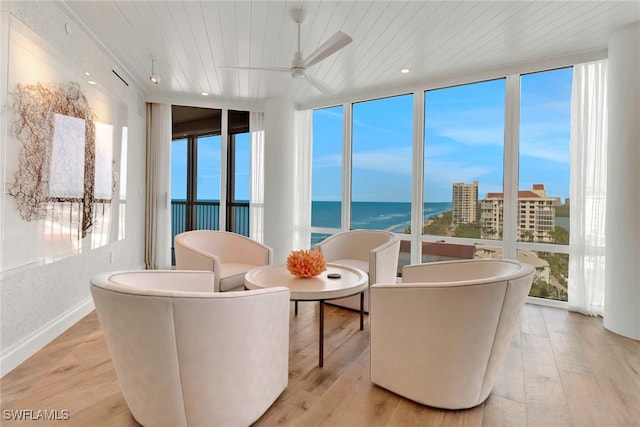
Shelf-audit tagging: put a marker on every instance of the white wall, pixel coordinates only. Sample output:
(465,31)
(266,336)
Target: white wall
(622,271)
(279,177)
(37,303)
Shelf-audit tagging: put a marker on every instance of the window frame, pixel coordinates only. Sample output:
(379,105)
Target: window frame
(511,211)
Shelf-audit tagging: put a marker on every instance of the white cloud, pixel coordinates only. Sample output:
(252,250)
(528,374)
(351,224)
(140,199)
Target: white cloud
(328,161)
(552,149)
(476,135)
(548,140)
(438,150)
(392,160)
(330,113)
(447,173)
(471,127)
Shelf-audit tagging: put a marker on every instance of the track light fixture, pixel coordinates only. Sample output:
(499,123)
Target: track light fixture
(155,79)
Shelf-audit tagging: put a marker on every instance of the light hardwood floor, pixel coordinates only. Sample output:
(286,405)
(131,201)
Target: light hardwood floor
(562,369)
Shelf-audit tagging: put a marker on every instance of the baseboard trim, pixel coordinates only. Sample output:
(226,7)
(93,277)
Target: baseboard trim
(547,302)
(20,352)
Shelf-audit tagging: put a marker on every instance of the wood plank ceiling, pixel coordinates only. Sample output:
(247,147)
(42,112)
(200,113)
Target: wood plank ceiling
(191,41)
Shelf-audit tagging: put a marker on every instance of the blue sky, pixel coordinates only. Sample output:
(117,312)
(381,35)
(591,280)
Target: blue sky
(208,187)
(464,134)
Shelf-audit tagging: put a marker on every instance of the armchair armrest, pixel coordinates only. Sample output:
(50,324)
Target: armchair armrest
(189,258)
(383,262)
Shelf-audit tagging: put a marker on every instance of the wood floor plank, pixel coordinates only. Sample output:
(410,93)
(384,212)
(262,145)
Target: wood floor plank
(562,369)
(618,381)
(366,404)
(413,414)
(584,397)
(567,348)
(332,406)
(510,383)
(503,412)
(545,398)
(532,320)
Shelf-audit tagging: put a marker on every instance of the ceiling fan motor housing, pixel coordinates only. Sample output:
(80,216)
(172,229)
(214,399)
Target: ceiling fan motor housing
(298,70)
(298,73)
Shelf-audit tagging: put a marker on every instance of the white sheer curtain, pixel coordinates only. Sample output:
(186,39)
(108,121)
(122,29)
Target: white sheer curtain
(157,249)
(588,188)
(302,180)
(256,196)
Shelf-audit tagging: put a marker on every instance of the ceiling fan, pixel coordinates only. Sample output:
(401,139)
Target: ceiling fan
(300,64)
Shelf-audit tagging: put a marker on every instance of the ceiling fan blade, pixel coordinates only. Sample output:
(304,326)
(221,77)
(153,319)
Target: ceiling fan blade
(288,70)
(334,44)
(321,86)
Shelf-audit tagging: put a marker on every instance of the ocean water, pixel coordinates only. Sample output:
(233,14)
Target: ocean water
(392,216)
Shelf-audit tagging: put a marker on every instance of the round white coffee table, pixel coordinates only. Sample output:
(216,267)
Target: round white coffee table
(320,288)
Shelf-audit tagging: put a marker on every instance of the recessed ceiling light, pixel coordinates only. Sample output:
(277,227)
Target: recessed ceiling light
(204,93)
(86,73)
(405,70)
(91,82)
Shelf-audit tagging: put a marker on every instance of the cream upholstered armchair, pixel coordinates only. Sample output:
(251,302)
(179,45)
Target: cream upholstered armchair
(228,255)
(174,365)
(440,337)
(373,251)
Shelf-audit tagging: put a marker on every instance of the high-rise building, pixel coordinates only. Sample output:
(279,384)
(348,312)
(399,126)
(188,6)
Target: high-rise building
(465,202)
(536,215)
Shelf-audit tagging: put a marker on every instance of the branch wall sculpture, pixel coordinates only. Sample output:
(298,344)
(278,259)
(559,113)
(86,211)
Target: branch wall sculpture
(35,106)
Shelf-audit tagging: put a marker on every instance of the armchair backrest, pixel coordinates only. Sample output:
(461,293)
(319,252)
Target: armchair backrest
(440,336)
(227,246)
(185,355)
(459,272)
(355,244)
(379,248)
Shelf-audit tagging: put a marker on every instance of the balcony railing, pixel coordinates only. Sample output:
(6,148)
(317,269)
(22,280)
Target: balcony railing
(207,216)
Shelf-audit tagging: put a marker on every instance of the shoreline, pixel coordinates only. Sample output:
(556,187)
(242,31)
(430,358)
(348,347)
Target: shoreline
(426,222)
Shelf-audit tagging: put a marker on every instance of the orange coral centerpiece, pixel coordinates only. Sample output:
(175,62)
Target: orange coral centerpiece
(306,263)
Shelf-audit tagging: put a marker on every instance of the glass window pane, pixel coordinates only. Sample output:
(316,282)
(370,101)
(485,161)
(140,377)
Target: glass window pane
(242,183)
(404,257)
(242,167)
(178,188)
(208,183)
(441,251)
(179,169)
(326,169)
(317,238)
(381,164)
(545,123)
(208,168)
(552,270)
(463,160)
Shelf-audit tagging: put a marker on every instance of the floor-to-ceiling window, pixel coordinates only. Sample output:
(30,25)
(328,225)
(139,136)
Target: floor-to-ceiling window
(494,178)
(195,169)
(206,171)
(206,183)
(195,183)
(326,172)
(543,190)
(179,148)
(463,169)
(382,139)
(381,166)
(238,172)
